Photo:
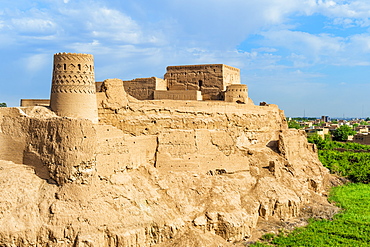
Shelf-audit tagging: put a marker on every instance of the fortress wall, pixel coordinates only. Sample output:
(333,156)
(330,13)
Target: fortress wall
(35,102)
(143,88)
(57,148)
(156,116)
(177,95)
(206,78)
(66,147)
(200,136)
(117,151)
(160,169)
(231,75)
(13,133)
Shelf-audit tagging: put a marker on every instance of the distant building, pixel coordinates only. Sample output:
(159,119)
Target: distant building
(362,138)
(325,119)
(320,131)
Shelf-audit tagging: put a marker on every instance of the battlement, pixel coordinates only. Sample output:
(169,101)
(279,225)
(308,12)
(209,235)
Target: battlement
(74,54)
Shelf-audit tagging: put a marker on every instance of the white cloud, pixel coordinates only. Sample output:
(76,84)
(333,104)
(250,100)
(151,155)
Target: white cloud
(309,44)
(31,25)
(111,24)
(35,63)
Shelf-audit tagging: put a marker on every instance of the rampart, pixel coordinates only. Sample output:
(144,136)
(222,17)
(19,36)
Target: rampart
(178,95)
(143,88)
(35,102)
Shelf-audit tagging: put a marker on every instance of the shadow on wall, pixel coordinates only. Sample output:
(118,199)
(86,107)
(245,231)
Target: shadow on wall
(273,145)
(33,160)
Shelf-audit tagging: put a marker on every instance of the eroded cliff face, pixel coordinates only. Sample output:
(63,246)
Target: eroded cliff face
(154,172)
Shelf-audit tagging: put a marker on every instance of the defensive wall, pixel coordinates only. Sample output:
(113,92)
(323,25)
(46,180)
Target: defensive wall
(178,95)
(144,88)
(35,102)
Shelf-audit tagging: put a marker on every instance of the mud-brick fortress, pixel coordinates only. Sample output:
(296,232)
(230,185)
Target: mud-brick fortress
(186,82)
(150,161)
(191,82)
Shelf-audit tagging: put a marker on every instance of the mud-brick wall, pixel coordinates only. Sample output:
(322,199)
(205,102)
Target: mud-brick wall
(60,149)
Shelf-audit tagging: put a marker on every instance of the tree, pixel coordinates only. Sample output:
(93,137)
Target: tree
(3,105)
(294,124)
(342,133)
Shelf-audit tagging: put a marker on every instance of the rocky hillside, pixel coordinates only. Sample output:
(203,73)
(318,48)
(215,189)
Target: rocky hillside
(164,173)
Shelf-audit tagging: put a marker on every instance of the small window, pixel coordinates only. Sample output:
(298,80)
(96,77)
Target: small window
(65,66)
(200,83)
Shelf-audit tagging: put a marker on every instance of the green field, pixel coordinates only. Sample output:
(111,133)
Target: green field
(351,227)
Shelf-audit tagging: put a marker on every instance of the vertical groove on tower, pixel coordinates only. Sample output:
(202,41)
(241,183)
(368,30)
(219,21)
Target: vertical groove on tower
(73,86)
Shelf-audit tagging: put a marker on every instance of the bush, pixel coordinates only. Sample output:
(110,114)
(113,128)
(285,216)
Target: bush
(342,133)
(352,161)
(294,124)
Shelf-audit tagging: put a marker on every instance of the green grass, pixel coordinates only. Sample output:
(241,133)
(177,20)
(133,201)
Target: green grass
(351,227)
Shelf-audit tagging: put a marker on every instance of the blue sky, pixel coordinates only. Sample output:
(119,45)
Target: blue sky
(307,56)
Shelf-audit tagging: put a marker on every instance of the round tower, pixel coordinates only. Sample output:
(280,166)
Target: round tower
(236,93)
(73,86)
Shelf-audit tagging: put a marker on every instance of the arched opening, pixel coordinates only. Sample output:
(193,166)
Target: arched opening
(65,66)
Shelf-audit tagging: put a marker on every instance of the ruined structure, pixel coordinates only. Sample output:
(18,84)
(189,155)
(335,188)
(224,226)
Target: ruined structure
(74,85)
(144,88)
(152,172)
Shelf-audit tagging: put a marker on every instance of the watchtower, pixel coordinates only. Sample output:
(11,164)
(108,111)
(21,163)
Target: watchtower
(73,86)
(236,93)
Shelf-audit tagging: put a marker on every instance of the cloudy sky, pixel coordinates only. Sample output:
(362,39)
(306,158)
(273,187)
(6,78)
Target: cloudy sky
(309,57)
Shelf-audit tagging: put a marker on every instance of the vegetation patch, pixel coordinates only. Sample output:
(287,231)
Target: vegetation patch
(351,227)
(350,160)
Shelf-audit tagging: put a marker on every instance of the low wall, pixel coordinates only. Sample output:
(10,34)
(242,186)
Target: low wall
(178,94)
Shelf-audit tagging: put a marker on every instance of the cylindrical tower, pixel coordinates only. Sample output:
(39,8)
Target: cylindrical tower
(236,93)
(73,86)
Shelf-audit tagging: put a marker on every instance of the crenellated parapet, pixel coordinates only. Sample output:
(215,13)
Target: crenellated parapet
(73,86)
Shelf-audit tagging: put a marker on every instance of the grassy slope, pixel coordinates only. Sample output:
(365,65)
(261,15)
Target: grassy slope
(349,228)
